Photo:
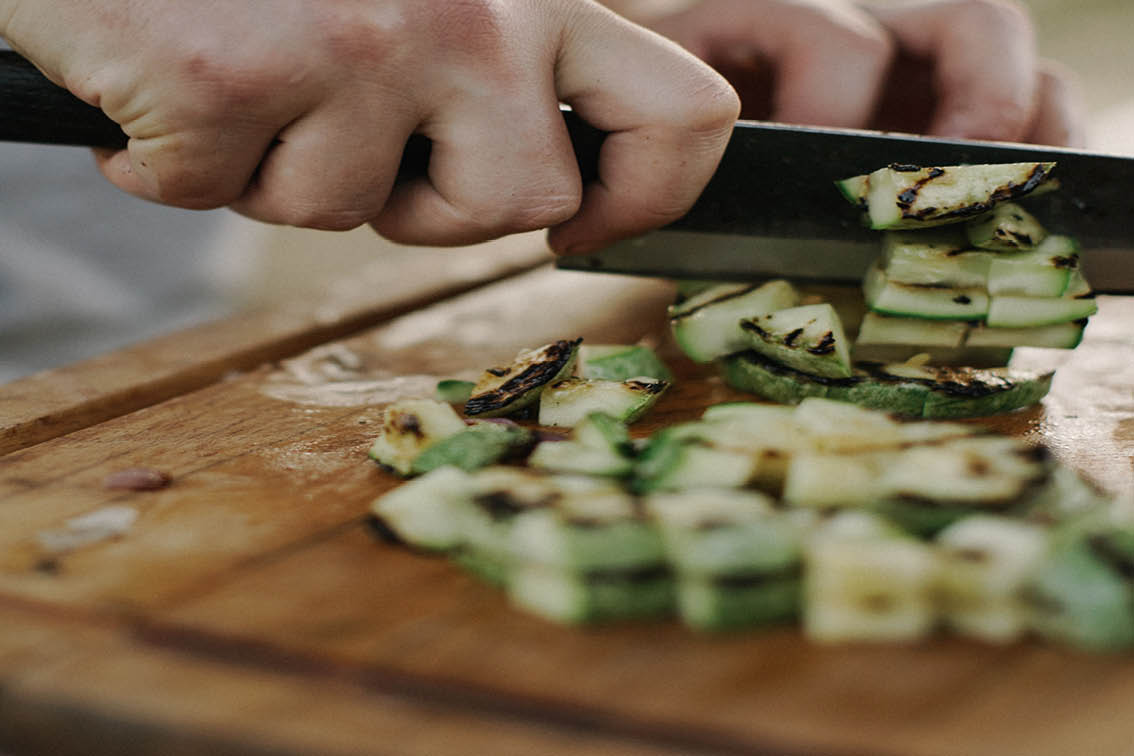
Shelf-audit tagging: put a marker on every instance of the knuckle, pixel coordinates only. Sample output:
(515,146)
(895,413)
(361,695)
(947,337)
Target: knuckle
(355,33)
(1003,16)
(546,206)
(320,217)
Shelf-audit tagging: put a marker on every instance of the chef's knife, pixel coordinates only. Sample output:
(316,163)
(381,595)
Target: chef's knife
(771,209)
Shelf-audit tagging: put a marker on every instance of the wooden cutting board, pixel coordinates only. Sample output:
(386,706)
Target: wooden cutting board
(249,608)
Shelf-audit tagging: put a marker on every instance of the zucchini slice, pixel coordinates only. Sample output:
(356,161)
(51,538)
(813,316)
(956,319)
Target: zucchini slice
(855,190)
(809,338)
(1042,272)
(504,390)
(909,196)
(707,326)
(1008,228)
(878,329)
(1058,336)
(929,301)
(411,426)
(1033,312)
(913,391)
(616,362)
(568,401)
(937,257)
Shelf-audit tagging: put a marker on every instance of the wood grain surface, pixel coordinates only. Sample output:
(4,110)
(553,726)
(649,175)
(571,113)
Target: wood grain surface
(56,402)
(256,569)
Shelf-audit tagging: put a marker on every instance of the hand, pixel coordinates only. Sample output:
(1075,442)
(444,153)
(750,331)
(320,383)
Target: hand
(299,114)
(952,68)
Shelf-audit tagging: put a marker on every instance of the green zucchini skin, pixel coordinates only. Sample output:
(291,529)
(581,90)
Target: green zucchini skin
(938,393)
(622,363)
(475,447)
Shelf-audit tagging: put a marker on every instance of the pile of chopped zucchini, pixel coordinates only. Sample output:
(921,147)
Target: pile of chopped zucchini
(965,275)
(855,525)
(619,381)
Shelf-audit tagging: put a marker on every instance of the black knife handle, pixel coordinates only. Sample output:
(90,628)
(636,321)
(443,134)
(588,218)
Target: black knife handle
(35,110)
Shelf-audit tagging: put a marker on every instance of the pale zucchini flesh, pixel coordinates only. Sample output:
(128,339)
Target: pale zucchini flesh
(1008,228)
(708,326)
(809,338)
(906,196)
(569,401)
(923,300)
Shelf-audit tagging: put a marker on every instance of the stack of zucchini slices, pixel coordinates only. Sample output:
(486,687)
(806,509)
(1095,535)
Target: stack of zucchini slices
(965,274)
(852,524)
(969,271)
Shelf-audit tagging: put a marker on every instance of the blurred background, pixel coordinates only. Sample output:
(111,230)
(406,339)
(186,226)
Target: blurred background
(85,269)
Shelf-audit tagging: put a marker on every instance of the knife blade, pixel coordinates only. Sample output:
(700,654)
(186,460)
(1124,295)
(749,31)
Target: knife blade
(771,209)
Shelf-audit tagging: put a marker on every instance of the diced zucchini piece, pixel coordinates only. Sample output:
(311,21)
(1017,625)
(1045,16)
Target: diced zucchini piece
(770,418)
(938,257)
(574,457)
(1033,312)
(1008,228)
(1041,272)
(923,300)
(411,426)
(724,532)
(474,447)
(571,598)
(836,480)
(868,589)
(672,462)
(424,512)
(930,487)
(906,196)
(454,391)
(809,338)
(568,401)
(707,326)
(1082,594)
(734,602)
(600,445)
(608,534)
(616,362)
(984,562)
(885,329)
(497,497)
(1058,336)
(504,390)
